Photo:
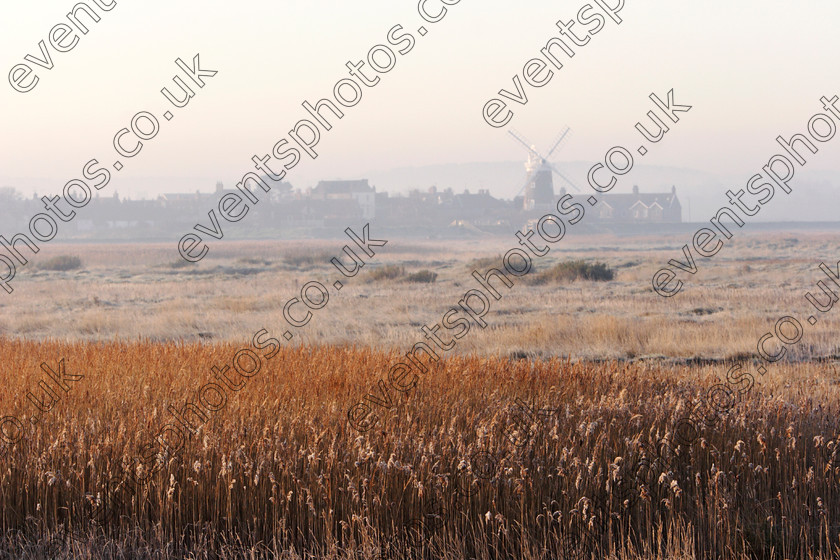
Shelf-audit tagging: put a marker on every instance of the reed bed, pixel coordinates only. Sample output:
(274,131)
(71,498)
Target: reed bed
(280,473)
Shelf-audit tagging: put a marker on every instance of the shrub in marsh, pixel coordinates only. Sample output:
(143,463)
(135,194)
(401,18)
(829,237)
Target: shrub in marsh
(388,272)
(570,271)
(253,261)
(305,258)
(61,263)
(179,264)
(422,277)
(483,263)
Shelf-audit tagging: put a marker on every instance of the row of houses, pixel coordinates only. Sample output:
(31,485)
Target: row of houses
(336,203)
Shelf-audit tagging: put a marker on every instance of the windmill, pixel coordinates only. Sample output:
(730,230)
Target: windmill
(539,186)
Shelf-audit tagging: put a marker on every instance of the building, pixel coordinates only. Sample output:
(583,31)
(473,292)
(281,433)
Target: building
(639,207)
(360,191)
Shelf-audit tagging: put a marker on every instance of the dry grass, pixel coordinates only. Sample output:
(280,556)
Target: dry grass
(128,292)
(279,470)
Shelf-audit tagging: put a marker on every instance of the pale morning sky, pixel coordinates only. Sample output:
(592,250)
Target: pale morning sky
(751,69)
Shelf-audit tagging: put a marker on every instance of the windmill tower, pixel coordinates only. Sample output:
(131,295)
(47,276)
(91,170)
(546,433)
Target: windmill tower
(539,191)
(539,185)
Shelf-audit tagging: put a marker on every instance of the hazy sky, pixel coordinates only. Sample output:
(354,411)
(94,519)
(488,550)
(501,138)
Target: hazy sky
(751,69)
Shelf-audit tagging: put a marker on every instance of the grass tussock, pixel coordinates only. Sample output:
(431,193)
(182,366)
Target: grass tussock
(180,264)
(387,272)
(571,271)
(305,257)
(398,273)
(483,263)
(422,277)
(61,263)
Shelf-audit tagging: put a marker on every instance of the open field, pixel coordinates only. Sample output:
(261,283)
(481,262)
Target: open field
(126,292)
(453,468)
